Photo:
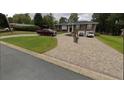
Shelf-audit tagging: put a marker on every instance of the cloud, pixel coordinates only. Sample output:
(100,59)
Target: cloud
(85,16)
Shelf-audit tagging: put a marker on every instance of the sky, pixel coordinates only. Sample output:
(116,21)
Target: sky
(82,16)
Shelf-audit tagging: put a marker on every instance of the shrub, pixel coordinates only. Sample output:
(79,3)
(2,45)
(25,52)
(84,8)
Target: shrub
(25,28)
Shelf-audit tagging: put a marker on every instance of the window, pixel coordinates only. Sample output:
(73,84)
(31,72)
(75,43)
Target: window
(64,27)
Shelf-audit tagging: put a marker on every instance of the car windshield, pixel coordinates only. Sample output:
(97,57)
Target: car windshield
(46,30)
(50,30)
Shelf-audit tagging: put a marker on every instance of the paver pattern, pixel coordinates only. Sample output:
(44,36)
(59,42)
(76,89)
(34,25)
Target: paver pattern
(89,53)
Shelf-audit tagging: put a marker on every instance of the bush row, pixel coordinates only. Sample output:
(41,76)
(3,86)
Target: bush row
(25,28)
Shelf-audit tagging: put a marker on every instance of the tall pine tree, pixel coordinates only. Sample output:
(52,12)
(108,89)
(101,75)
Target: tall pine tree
(38,20)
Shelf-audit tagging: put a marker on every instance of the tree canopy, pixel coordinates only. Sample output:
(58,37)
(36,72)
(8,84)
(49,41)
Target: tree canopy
(22,18)
(38,20)
(63,20)
(49,20)
(10,19)
(73,17)
(102,19)
(109,23)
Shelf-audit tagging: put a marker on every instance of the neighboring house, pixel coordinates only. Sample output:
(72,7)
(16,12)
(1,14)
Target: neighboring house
(80,26)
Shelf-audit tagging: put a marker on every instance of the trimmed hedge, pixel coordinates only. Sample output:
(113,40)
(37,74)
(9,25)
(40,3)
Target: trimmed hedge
(25,28)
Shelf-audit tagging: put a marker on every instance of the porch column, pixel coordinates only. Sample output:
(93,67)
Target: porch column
(68,28)
(94,27)
(72,28)
(85,29)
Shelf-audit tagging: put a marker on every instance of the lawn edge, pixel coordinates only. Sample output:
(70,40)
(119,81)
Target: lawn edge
(89,73)
(109,45)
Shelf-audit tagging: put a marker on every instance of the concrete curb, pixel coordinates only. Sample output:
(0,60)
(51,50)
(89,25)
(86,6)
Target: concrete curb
(77,69)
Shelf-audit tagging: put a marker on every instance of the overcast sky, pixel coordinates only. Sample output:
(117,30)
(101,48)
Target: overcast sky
(82,16)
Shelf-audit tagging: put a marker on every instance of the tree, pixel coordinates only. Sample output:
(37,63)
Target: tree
(38,20)
(49,20)
(73,17)
(115,23)
(10,19)
(4,21)
(22,18)
(56,21)
(32,21)
(102,19)
(63,20)
(109,23)
(27,18)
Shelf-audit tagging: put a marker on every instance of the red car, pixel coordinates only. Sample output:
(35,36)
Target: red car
(46,32)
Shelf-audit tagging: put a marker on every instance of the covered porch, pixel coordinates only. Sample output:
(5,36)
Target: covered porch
(78,26)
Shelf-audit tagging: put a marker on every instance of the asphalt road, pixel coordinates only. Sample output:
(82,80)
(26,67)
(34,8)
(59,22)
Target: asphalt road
(16,65)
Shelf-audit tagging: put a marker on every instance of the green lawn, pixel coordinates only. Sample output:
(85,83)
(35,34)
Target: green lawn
(5,33)
(115,42)
(38,44)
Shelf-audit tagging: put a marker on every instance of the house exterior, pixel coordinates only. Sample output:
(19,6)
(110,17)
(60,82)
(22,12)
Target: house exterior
(79,26)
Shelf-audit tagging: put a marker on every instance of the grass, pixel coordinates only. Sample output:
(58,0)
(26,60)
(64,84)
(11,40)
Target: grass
(38,44)
(115,42)
(5,33)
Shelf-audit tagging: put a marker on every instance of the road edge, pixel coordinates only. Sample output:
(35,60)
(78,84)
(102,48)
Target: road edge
(86,72)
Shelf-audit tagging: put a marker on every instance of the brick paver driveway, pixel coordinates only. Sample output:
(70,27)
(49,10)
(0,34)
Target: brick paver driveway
(89,53)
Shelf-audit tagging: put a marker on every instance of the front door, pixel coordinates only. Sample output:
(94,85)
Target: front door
(70,29)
